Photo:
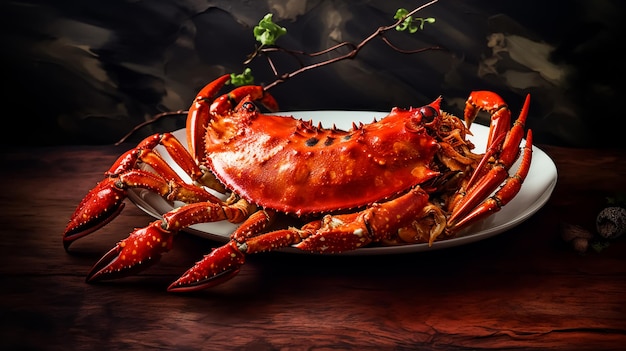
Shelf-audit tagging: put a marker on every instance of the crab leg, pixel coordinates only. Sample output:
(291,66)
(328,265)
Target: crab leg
(509,189)
(204,107)
(492,103)
(145,245)
(376,223)
(331,234)
(225,103)
(199,116)
(106,200)
(479,187)
(223,263)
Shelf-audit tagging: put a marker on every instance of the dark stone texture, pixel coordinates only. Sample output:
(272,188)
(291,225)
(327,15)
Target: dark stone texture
(88,72)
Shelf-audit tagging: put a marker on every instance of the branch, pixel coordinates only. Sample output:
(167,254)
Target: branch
(267,49)
(380,32)
(154,119)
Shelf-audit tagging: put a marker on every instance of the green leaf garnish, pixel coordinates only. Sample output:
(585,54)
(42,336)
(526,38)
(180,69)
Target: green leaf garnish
(267,31)
(409,22)
(244,78)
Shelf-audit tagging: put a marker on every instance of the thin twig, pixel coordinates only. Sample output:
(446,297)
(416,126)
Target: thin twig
(280,78)
(150,121)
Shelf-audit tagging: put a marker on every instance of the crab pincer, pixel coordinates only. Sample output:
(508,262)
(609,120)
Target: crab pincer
(138,251)
(106,200)
(101,205)
(222,264)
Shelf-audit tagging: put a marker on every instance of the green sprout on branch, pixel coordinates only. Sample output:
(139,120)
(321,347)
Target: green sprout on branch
(409,22)
(244,78)
(267,31)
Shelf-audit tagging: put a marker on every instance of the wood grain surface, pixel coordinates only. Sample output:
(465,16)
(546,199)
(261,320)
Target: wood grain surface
(524,289)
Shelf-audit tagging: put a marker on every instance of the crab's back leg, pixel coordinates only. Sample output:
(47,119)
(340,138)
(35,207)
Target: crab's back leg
(495,105)
(223,263)
(488,176)
(506,193)
(145,245)
(380,221)
(333,233)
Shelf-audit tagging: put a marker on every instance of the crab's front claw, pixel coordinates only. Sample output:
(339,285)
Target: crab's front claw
(220,265)
(142,248)
(103,203)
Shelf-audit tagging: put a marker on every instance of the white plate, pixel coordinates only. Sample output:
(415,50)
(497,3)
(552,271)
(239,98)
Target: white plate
(535,192)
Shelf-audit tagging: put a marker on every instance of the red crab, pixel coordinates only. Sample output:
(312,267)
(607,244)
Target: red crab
(410,177)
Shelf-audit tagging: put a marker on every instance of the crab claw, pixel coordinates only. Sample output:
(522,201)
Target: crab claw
(220,265)
(103,203)
(142,248)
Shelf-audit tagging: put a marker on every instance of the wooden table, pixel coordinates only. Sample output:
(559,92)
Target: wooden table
(523,289)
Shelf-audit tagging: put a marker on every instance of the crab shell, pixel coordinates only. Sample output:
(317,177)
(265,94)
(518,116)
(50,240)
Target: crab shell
(289,165)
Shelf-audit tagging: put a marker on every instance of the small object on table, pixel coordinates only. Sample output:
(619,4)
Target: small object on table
(611,222)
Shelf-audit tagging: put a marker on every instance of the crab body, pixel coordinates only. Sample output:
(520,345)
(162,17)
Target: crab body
(291,166)
(409,177)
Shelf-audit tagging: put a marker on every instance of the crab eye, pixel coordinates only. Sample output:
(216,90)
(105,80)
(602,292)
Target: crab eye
(428,114)
(249,106)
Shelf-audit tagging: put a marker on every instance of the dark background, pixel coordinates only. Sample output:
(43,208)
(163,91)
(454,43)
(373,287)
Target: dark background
(87,72)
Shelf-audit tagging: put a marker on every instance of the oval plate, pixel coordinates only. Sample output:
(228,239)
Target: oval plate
(535,191)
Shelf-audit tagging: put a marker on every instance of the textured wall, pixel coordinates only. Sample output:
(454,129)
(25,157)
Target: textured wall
(88,71)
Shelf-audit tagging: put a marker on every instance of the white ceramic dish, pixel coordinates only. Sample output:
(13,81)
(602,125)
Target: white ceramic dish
(534,193)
